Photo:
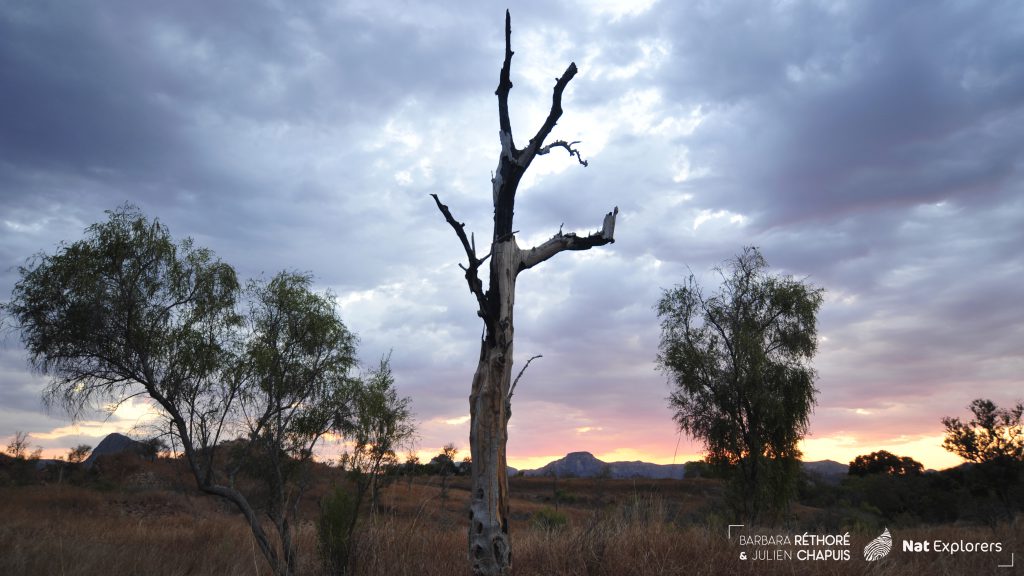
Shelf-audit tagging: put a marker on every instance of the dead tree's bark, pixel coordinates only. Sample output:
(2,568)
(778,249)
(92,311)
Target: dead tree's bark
(489,402)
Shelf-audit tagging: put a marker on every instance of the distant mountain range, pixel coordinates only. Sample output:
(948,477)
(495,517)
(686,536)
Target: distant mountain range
(573,465)
(586,465)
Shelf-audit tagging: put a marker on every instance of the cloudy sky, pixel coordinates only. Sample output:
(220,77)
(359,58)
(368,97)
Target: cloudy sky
(875,148)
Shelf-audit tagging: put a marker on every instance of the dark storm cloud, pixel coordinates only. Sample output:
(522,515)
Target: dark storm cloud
(237,124)
(120,87)
(148,98)
(830,109)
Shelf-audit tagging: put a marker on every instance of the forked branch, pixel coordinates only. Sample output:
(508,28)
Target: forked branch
(537,142)
(536,147)
(472,277)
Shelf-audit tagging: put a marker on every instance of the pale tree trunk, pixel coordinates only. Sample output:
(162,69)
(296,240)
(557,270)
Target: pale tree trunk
(490,549)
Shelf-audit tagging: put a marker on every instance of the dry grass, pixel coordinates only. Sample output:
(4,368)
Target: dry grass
(616,528)
(76,531)
(643,536)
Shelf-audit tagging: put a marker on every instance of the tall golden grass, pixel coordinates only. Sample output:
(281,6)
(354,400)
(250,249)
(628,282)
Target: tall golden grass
(71,530)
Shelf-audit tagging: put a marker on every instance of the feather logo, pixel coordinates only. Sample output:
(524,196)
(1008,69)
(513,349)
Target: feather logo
(879,547)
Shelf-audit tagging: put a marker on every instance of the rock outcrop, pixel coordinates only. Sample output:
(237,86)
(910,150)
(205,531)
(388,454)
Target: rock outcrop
(114,444)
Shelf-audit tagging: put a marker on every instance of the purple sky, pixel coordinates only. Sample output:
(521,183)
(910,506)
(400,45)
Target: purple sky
(873,147)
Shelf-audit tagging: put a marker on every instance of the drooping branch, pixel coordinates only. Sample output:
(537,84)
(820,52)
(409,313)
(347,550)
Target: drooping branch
(472,277)
(560,242)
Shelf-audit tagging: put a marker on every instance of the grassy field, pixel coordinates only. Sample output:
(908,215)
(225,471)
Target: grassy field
(601,527)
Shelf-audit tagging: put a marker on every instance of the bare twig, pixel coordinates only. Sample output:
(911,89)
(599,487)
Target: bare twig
(512,388)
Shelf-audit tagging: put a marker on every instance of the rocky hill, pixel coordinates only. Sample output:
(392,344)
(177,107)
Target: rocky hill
(829,471)
(586,465)
(827,468)
(113,444)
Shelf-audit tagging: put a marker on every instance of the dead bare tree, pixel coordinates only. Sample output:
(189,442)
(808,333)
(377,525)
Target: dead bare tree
(490,398)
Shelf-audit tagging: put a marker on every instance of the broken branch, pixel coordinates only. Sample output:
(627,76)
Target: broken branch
(472,278)
(505,81)
(570,241)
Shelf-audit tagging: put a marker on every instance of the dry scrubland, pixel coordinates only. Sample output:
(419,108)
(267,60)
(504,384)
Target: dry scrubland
(159,526)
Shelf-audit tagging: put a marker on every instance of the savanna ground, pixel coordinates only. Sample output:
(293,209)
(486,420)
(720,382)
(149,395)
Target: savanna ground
(148,520)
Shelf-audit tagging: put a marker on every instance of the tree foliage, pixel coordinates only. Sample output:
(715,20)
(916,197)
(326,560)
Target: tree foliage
(18,447)
(444,465)
(293,388)
(127,312)
(994,441)
(123,309)
(79,453)
(382,424)
(739,364)
(883,462)
(993,434)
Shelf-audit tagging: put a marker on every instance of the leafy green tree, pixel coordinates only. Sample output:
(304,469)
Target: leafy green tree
(444,465)
(127,312)
(411,467)
(23,460)
(994,441)
(338,512)
(293,389)
(883,462)
(993,433)
(381,423)
(122,310)
(18,448)
(79,453)
(739,362)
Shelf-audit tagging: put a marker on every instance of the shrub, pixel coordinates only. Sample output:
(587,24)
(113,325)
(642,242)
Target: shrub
(548,519)
(338,511)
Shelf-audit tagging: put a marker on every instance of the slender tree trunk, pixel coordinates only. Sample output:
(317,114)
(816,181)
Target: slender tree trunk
(204,481)
(490,549)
